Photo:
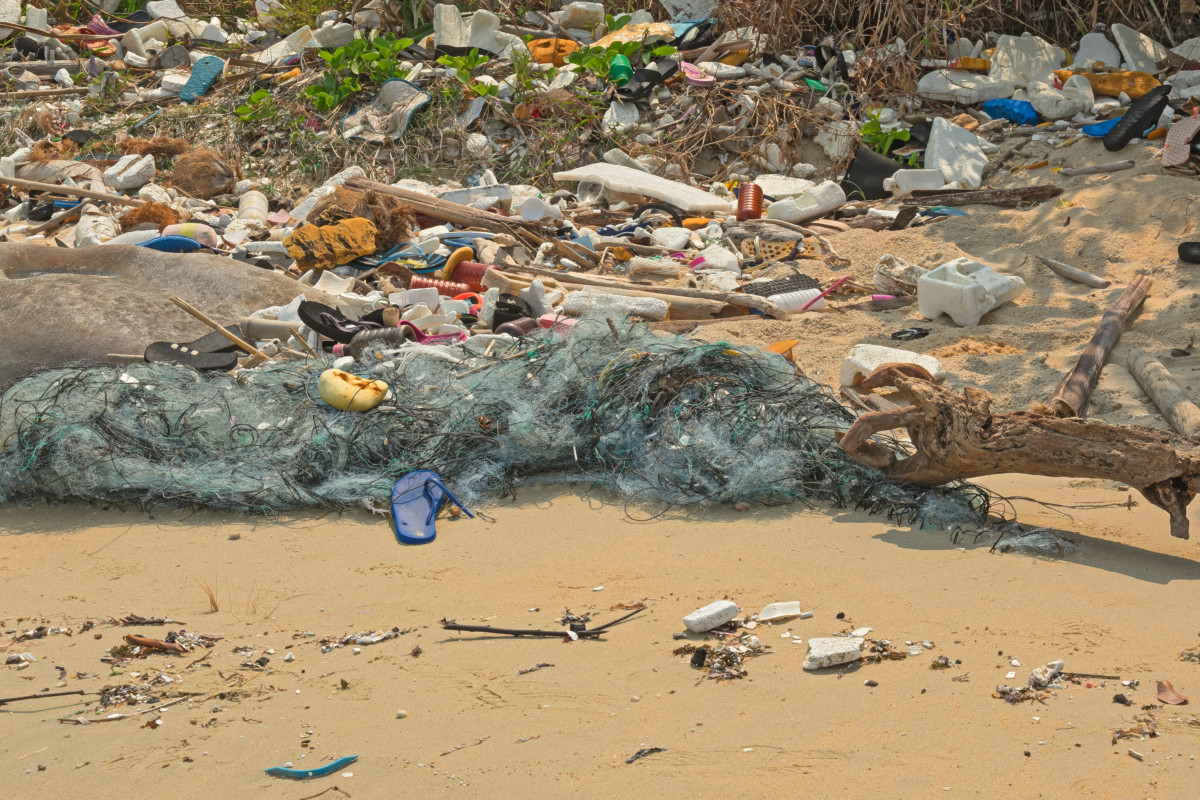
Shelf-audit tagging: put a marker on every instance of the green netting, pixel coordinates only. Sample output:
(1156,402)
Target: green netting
(661,420)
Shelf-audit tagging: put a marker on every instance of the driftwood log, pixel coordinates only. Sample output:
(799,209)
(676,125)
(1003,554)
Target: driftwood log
(1171,398)
(990,197)
(957,437)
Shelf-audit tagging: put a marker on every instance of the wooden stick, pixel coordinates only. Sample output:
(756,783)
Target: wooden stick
(207,320)
(1171,398)
(57,220)
(73,191)
(154,644)
(32,93)
(732,298)
(456,213)
(1075,274)
(1070,399)
(4,700)
(1097,169)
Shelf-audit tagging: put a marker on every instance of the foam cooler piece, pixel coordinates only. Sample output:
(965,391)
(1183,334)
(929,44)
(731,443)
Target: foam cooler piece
(705,619)
(632,181)
(962,87)
(956,152)
(822,199)
(833,651)
(965,290)
(578,304)
(866,358)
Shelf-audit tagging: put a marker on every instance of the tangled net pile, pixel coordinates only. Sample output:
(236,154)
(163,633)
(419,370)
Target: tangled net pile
(657,419)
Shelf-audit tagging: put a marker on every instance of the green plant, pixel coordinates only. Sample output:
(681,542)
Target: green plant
(464,66)
(258,106)
(872,133)
(348,67)
(612,23)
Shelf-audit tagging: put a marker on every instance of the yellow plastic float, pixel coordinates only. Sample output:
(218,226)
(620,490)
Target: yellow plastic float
(349,392)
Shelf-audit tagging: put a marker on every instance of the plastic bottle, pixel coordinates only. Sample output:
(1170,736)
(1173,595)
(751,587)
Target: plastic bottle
(253,205)
(749,202)
(518,327)
(620,70)
(792,302)
(375,336)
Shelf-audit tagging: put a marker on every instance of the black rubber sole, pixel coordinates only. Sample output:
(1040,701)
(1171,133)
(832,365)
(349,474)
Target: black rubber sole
(1189,252)
(1143,113)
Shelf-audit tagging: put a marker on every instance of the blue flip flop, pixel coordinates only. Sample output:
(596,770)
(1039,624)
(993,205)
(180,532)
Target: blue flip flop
(205,73)
(416,499)
(1098,130)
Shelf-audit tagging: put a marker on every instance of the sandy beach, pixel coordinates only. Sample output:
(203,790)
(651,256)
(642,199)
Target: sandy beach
(1112,604)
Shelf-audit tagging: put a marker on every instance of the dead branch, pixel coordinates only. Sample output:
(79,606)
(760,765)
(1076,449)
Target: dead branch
(958,437)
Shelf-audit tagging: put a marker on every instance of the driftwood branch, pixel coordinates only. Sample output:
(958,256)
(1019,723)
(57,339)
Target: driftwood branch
(991,197)
(956,437)
(1075,274)
(1070,399)
(1171,398)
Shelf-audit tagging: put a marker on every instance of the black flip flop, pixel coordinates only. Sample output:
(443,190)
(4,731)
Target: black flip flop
(509,307)
(1142,114)
(331,323)
(644,80)
(130,21)
(1189,252)
(173,353)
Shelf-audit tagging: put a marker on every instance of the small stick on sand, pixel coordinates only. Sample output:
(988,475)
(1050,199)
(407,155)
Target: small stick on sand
(1075,274)
(1097,169)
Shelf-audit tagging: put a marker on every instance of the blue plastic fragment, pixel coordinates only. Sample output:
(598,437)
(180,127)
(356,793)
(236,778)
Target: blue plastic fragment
(1018,111)
(304,774)
(1098,130)
(173,244)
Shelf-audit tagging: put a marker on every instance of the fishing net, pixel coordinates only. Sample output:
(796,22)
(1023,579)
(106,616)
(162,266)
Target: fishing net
(661,420)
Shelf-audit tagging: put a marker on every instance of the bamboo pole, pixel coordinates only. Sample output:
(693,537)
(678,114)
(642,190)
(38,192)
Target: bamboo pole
(1070,399)
(74,191)
(1171,398)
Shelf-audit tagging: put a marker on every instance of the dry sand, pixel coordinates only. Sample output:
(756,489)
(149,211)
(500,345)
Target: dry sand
(1113,603)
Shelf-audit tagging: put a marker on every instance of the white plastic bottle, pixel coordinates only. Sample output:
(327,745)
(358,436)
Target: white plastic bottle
(792,302)
(253,205)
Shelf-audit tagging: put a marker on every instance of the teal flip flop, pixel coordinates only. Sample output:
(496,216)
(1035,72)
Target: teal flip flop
(205,73)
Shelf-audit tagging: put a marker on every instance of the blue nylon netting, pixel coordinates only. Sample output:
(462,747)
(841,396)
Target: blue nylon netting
(661,420)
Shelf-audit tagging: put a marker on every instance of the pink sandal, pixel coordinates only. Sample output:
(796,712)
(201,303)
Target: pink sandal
(696,76)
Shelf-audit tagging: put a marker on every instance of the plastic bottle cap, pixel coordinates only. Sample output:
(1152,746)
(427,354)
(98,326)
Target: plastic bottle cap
(620,70)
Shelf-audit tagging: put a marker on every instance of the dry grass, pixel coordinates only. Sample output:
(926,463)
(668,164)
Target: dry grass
(925,25)
(213,605)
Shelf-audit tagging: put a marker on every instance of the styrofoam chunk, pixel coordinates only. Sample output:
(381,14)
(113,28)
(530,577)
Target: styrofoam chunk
(709,617)
(832,651)
(866,358)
